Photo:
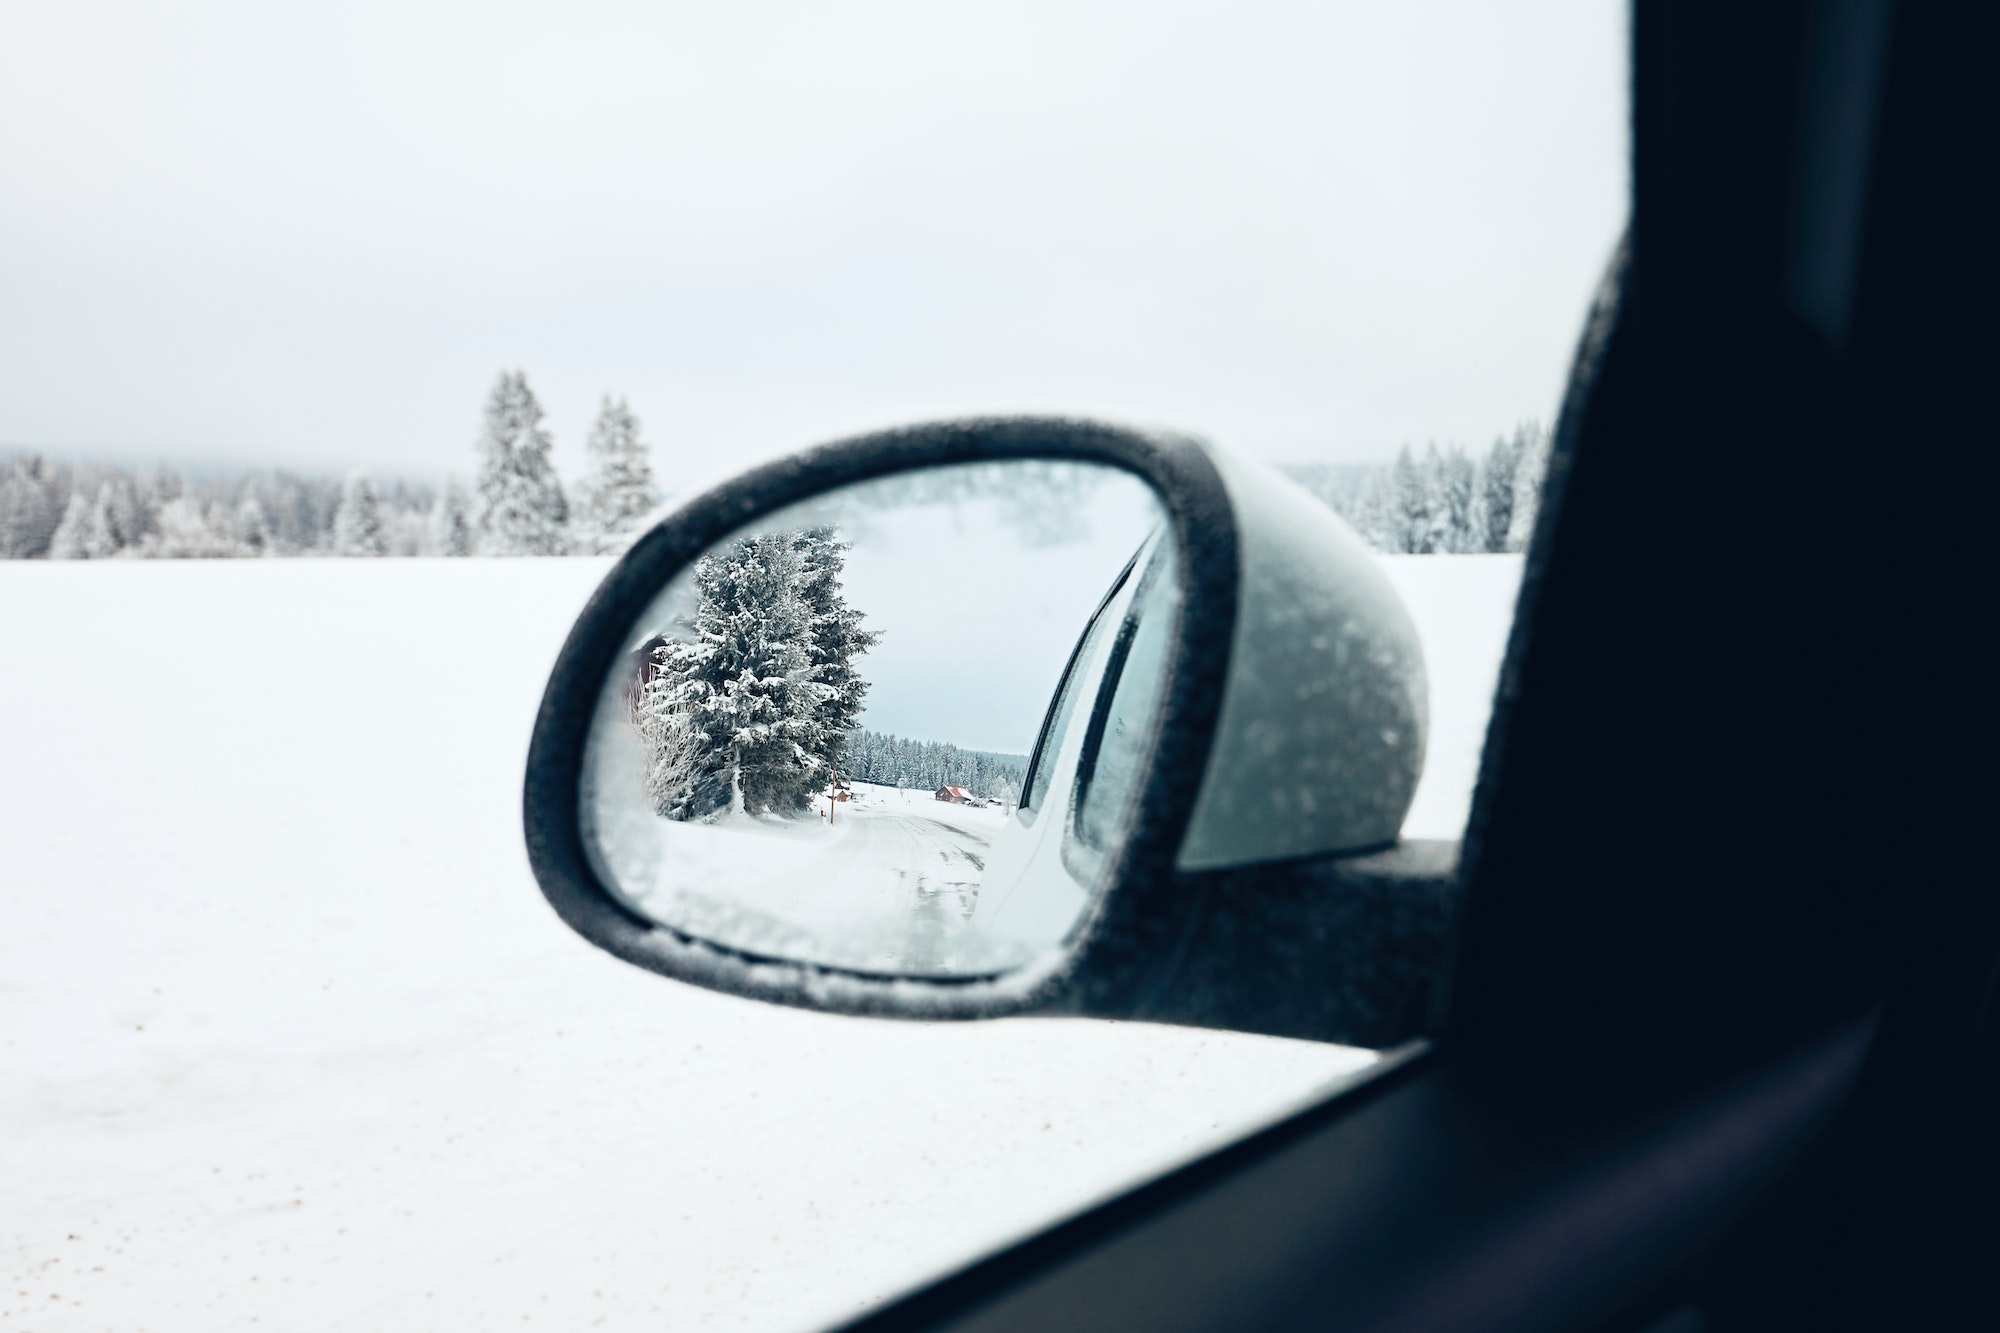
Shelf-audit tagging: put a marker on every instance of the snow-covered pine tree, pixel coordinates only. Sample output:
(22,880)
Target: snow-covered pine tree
(1529,473)
(406,519)
(28,509)
(618,491)
(72,535)
(184,530)
(250,529)
(521,505)
(288,505)
(740,692)
(166,485)
(1409,506)
(450,524)
(1493,494)
(1375,511)
(756,712)
(685,778)
(1448,487)
(836,640)
(357,524)
(114,519)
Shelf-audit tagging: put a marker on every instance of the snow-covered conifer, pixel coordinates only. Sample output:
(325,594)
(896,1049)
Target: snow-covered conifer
(754,714)
(114,519)
(250,529)
(1409,527)
(183,529)
(1375,513)
(1530,472)
(288,506)
(618,491)
(72,535)
(357,524)
(1448,494)
(28,510)
(450,524)
(521,505)
(1493,494)
(836,640)
(406,520)
(740,690)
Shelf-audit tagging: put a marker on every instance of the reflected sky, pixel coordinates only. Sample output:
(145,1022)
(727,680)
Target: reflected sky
(979,592)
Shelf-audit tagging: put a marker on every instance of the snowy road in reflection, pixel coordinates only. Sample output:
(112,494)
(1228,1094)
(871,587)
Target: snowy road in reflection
(899,867)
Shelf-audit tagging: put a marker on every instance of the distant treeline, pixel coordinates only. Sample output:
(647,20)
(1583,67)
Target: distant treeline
(1442,501)
(92,511)
(1429,502)
(893,761)
(515,505)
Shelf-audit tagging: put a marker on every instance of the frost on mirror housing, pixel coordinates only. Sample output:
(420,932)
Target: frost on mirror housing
(1002,716)
(813,744)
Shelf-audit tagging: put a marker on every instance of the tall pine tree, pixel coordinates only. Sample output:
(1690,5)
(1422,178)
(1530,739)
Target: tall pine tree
(1493,494)
(521,506)
(618,491)
(1410,506)
(114,519)
(28,512)
(250,528)
(1530,472)
(730,713)
(357,524)
(1448,479)
(836,640)
(752,715)
(449,529)
(72,535)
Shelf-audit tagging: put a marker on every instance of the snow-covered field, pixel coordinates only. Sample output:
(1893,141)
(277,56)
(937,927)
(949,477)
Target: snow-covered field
(289,1039)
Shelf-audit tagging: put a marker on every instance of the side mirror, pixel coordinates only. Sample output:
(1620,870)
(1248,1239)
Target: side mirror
(1012,716)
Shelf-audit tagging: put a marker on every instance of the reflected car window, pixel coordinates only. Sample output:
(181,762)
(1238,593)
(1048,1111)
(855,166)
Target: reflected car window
(1055,729)
(1128,703)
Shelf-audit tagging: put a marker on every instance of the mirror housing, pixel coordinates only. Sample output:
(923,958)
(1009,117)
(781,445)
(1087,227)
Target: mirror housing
(1261,887)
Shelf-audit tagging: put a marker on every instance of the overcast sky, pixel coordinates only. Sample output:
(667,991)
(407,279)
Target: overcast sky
(268,234)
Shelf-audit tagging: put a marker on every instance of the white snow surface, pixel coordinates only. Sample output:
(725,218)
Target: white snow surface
(289,1039)
(886,885)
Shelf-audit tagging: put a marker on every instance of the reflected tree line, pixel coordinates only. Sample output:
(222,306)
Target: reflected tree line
(896,761)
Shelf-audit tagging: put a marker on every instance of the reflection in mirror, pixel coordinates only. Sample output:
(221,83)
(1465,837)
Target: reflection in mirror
(896,729)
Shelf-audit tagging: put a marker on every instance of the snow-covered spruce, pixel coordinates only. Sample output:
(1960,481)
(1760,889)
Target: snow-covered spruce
(521,506)
(752,715)
(1529,473)
(449,523)
(30,509)
(185,529)
(357,524)
(618,491)
(250,529)
(70,541)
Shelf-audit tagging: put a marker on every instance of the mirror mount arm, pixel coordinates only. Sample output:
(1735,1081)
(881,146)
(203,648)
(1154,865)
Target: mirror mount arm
(1350,949)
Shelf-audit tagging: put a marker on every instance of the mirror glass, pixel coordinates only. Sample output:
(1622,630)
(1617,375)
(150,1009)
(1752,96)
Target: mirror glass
(896,729)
